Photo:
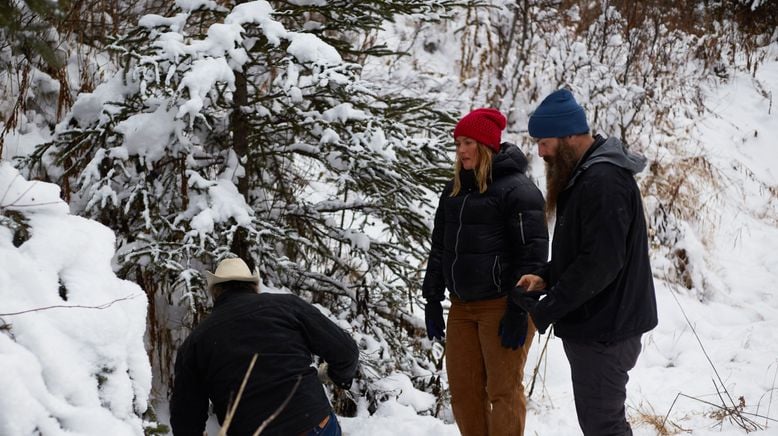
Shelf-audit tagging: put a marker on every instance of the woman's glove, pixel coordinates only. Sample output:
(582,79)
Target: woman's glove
(433,318)
(513,327)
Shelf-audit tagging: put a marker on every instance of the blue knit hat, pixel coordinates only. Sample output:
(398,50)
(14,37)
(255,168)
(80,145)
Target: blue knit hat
(557,116)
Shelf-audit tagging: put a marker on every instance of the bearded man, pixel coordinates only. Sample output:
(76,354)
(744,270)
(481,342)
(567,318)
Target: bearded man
(598,286)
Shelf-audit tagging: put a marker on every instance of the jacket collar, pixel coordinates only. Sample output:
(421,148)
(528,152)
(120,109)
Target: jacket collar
(509,160)
(228,296)
(610,150)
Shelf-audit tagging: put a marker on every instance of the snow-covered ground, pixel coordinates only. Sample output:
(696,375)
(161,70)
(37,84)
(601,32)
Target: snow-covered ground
(86,367)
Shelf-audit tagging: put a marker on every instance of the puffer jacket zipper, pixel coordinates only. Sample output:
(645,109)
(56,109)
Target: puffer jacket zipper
(456,248)
(521,227)
(497,274)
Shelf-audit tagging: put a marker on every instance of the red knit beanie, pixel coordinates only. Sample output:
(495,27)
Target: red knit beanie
(484,125)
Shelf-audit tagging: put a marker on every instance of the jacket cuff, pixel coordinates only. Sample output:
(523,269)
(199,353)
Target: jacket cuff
(543,272)
(436,297)
(343,383)
(540,315)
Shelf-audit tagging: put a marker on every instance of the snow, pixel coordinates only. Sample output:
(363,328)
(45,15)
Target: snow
(358,240)
(78,370)
(193,5)
(72,369)
(393,418)
(88,107)
(309,48)
(145,131)
(175,23)
(198,81)
(744,122)
(23,144)
(223,203)
(258,12)
(343,112)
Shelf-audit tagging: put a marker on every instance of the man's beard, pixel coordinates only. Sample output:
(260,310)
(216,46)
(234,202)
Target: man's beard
(558,171)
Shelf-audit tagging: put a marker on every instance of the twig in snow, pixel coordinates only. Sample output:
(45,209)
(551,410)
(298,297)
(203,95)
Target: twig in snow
(770,401)
(718,406)
(734,409)
(735,413)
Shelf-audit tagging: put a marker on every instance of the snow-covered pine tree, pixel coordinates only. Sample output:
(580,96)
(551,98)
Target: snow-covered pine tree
(248,129)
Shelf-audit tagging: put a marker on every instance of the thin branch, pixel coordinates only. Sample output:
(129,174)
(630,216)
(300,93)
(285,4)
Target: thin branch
(73,306)
(736,414)
(32,185)
(704,351)
(664,421)
(8,189)
(537,366)
(234,407)
(15,206)
(718,406)
(275,414)
(770,403)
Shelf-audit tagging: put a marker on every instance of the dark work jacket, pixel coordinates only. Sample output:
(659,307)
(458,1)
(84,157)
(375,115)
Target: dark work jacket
(602,288)
(283,330)
(483,243)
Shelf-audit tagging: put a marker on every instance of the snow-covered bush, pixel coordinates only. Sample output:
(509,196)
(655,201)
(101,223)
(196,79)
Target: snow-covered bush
(72,356)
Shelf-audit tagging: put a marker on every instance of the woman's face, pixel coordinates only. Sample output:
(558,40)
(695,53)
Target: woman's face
(467,152)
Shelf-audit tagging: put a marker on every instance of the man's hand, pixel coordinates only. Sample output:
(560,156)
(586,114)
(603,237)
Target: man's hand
(529,301)
(531,282)
(525,299)
(325,376)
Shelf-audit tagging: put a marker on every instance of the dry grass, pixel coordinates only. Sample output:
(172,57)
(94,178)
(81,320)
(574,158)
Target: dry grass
(645,416)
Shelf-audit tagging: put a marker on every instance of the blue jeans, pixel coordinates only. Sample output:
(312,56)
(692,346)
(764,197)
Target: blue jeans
(331,428)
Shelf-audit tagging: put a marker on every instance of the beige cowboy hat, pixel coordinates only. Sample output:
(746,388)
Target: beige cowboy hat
(231,270)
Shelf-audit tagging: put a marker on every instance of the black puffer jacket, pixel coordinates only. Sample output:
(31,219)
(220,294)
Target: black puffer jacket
(284,331)
(600,276)
(483,243)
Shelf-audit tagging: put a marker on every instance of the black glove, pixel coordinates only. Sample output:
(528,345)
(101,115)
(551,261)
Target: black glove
(513,327)
(343,383)
(433,317)
(529,301)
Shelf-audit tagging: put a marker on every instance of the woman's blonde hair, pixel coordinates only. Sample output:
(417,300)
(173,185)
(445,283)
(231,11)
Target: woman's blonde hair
(483,171)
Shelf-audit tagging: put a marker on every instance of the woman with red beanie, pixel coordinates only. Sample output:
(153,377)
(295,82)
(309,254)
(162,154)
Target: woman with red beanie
(490,229)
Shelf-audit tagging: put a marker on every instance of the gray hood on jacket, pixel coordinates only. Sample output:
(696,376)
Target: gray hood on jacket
(614,152)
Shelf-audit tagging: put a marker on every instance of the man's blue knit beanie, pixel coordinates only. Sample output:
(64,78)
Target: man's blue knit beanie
(557,116)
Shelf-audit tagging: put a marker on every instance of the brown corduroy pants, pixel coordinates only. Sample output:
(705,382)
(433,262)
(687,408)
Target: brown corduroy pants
(485,379)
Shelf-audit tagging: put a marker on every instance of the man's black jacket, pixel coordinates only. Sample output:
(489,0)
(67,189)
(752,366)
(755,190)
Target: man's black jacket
(284,331)
(601,286)
(483,243)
